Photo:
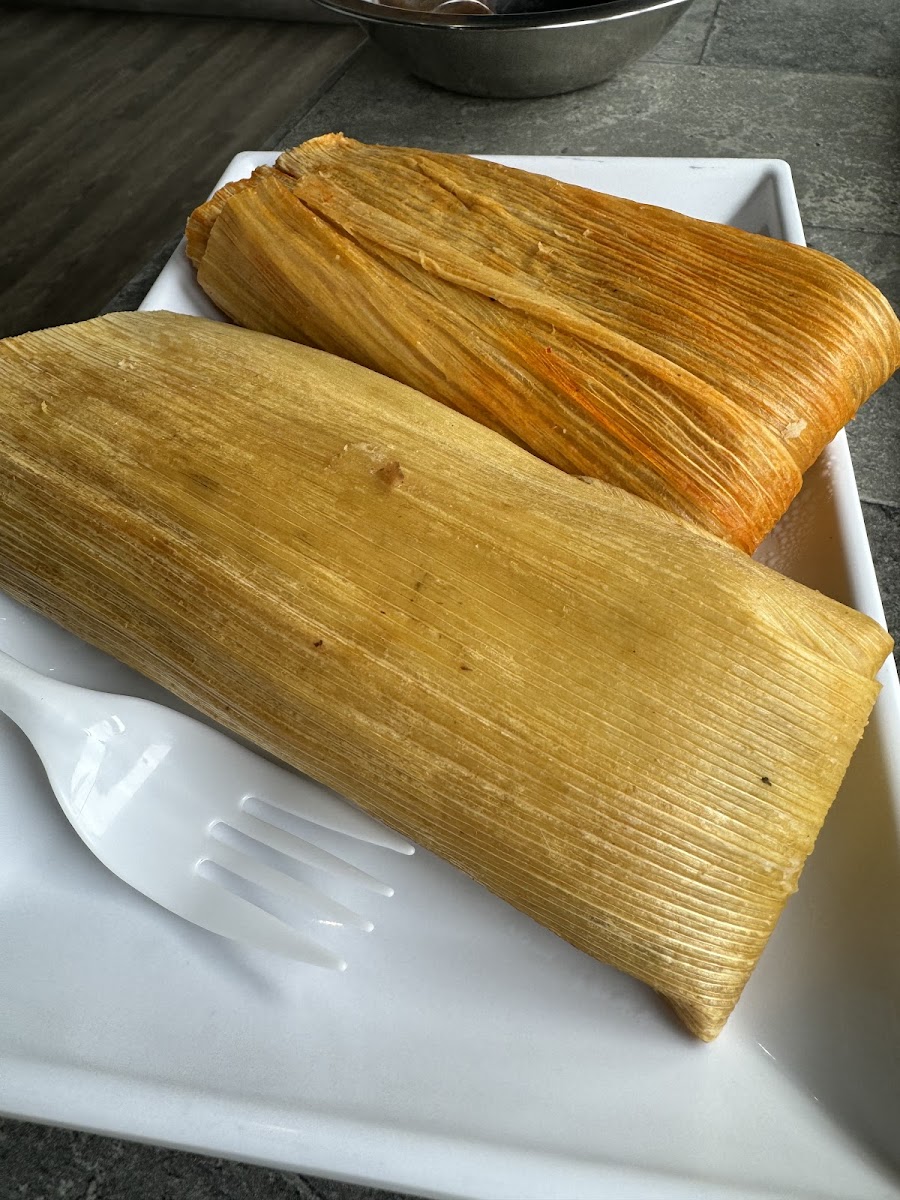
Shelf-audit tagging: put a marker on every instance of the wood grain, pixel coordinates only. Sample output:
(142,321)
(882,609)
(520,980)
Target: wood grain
(113,125)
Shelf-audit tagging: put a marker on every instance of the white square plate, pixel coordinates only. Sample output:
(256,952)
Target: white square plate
(467,1052)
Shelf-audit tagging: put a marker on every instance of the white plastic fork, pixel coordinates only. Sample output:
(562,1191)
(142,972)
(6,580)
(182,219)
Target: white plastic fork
(189,817)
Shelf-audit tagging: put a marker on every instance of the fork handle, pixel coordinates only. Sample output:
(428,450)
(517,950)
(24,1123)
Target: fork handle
(23,692)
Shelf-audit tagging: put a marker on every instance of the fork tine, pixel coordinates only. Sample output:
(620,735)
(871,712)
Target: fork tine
(299,849)
(272,880)
(304,797)
(233,917)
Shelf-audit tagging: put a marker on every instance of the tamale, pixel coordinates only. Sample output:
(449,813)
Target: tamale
(616,722)
(696,365)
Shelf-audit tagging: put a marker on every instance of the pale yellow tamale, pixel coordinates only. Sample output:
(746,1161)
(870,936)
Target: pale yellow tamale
(616,722)
(698,366)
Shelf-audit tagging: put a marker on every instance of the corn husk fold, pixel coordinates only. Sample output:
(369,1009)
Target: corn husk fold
(619,724)
(698,366)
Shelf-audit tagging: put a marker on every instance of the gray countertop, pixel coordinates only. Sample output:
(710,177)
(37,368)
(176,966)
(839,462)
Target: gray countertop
(815,82)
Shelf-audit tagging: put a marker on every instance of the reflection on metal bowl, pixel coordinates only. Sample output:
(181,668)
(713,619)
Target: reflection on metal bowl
(517,47)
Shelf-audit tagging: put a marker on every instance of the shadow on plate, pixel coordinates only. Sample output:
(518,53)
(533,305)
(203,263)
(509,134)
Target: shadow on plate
(825,1000)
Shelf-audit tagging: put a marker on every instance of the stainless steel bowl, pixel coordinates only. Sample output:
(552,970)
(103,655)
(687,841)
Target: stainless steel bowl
(517,54)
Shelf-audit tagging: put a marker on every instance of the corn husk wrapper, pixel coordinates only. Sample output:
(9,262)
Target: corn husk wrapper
(698,366)
(619,724)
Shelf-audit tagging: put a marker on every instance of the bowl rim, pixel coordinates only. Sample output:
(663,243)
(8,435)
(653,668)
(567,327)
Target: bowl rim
(597,13)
